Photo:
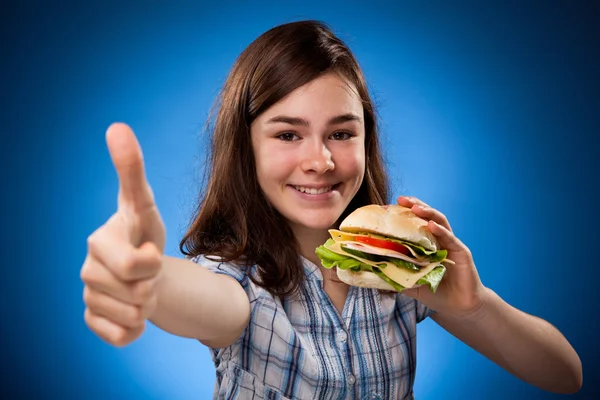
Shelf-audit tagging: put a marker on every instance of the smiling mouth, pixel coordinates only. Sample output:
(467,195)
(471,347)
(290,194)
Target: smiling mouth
(315,191)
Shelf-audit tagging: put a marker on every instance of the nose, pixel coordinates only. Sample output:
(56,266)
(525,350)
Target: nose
(317,158)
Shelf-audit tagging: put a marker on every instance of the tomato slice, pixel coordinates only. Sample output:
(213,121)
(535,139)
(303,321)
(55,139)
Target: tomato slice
(383,244)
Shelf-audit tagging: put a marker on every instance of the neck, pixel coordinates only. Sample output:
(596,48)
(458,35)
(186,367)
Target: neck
(308,241)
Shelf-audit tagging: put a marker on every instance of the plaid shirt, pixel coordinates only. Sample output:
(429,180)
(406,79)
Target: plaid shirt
(304,349)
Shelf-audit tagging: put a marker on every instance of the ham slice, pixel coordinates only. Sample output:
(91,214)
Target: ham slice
(365,248)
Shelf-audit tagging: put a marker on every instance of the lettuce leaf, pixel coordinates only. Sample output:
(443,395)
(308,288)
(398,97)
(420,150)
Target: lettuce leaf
(433,278)
(329,259)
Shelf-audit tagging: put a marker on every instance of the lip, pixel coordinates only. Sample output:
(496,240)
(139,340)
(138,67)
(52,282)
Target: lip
(316,197)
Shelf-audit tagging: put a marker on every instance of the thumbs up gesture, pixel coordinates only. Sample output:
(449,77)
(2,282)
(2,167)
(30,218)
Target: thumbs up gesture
(124,257)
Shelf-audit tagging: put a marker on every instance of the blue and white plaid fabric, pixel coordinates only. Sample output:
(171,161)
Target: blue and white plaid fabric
(304,349)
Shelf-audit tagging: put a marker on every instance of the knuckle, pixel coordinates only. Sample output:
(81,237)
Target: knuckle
(88,274)
(94,302)
(128,265)
(87,296)
(91,242)
(155,257)
(92,322)
(84,274)
(94,242)
(152,257)
(468,253)
(87,318)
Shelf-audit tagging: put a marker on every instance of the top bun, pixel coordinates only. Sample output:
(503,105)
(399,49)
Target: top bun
(393,221)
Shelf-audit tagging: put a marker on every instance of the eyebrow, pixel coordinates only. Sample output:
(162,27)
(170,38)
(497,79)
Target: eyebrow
(340,119)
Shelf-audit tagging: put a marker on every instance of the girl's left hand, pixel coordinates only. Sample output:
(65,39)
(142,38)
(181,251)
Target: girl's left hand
(460,292)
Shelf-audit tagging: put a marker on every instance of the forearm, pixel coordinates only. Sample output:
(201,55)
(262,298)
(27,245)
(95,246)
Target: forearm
(527,346)
(196,303)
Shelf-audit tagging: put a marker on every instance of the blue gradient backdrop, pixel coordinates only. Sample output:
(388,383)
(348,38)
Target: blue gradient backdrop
(490,112)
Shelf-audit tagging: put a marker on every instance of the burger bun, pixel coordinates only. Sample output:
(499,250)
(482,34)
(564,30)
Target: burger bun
(392,221)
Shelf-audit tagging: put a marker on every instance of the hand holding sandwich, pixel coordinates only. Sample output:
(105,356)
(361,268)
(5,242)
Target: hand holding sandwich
(526,346)
(408,248)
(460,291)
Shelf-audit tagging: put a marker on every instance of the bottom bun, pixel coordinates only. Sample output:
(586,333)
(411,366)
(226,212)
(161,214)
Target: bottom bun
(365,279)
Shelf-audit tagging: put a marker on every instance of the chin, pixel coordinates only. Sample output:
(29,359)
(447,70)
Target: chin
(316,225)
(317,221)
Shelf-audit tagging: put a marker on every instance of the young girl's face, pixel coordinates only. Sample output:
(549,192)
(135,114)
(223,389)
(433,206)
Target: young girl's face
(310,153)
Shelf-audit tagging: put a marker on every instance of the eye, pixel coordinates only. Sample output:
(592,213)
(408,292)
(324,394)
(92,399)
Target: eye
(341,135)
(288,137)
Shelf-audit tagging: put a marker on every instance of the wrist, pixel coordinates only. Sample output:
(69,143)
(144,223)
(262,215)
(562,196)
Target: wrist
(160,281)
(483,305)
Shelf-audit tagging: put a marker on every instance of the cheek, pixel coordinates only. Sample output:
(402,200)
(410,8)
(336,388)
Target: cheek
(273,165)
(263,167)
(353,163)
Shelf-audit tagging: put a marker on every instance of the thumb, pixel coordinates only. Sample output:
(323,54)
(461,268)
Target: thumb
(126,155)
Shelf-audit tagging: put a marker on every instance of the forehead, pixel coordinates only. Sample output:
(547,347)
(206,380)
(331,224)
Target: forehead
(320,99)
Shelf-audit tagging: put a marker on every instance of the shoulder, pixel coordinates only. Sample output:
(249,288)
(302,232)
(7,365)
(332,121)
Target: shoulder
(214,264)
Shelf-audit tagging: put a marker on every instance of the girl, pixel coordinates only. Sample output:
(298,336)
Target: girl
(294,150)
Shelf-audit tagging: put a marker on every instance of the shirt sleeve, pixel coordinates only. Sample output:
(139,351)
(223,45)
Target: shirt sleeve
(422,311)
(226,268)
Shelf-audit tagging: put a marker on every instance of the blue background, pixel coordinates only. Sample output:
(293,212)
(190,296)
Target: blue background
(490,113)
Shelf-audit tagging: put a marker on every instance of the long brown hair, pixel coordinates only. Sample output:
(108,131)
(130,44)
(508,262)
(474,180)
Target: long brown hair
(233,220)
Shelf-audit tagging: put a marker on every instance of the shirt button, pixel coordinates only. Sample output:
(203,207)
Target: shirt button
(225,357)
(342,336)
(351,379)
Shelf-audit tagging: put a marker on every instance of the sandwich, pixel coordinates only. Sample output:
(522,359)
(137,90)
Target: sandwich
(384,247)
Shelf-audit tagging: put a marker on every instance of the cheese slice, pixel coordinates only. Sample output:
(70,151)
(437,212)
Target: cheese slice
(402,276)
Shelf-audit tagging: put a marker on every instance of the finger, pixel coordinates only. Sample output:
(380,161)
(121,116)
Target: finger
(111,332)
(98,277)
(121,258)
(409,201)
(431,214)
(127,157)
(405,201)
(127,315)
(446,239)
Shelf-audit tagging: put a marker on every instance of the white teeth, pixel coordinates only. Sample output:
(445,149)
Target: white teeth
(313,191)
